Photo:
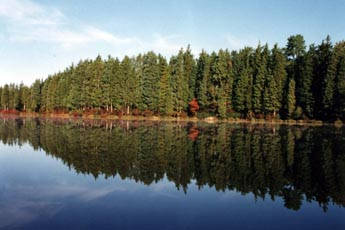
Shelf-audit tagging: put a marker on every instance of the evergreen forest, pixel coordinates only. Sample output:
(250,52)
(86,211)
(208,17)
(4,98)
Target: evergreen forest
(291,82)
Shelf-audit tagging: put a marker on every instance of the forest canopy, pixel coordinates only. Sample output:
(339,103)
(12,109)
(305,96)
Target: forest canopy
(294,82)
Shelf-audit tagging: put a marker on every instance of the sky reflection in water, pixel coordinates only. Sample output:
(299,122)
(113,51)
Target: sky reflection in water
(39,191)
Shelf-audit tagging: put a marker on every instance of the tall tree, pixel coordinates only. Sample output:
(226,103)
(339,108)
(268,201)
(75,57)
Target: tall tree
(5,97)
(165,101)
(36,96)
(291,98)
(320,93)
(150,77)
(278,66)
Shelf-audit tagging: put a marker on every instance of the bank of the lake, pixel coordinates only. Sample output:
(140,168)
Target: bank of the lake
(210,119)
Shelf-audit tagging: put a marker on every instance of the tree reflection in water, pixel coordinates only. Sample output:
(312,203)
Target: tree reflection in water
(294,163)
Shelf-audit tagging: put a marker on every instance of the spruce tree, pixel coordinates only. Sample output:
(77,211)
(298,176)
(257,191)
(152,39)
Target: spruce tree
(271,102)
(291,98)
(35,96)
(165,101)
(339,98)
(202,79)
(306,98)
(323,57)
(129,84)
(278,68)
(5,97)
(150,78)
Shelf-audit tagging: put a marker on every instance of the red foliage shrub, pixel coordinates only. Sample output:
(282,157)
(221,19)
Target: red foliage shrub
(10,112)
(76,114)
(193,133)
(119,113)
(147,113)
(136,112)
(183,115)
(193,106)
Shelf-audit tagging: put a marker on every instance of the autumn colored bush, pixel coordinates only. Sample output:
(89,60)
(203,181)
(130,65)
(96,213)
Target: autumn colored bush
(193,106)
(147,113)
(136,112)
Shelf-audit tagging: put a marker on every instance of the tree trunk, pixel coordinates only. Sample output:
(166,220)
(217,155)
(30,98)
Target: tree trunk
(128,110)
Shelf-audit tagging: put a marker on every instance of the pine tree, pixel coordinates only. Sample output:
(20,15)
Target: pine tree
(291,98)
(35,96)
(295,46)
(323,57)
(189,72)
(129,84)
(150,78)
(96,71)
(271,102)
(165,101)
(221,79)
(339,98)
(260,61)
(202,79)
(306,98)
(75,96)
(5,97)
(243,82)
(329,90)
(278,68)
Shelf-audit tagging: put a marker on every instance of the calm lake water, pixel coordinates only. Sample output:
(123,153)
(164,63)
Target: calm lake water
(60,174)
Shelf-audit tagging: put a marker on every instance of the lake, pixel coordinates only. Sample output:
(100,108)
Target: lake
(64,174)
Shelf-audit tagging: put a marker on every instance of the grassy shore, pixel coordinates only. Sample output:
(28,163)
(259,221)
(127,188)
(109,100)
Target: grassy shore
(178,119)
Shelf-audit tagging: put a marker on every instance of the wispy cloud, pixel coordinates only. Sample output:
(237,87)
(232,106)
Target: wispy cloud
(28,13)
(27,21)
(236,43)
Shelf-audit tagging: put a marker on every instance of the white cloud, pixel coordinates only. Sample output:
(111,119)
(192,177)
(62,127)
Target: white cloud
(28,13)
(44,40)
(28,21)
(236,43)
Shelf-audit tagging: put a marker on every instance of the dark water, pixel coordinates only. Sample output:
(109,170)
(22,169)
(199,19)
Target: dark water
(137,175)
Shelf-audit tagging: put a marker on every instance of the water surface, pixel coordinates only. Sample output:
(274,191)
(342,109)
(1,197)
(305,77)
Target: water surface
(61,174)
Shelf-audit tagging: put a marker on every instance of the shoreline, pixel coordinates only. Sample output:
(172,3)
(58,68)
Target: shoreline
(210,120)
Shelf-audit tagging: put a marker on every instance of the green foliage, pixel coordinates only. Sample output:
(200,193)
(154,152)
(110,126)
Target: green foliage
(245,83)
(5,98)
(295,46)
(291,98)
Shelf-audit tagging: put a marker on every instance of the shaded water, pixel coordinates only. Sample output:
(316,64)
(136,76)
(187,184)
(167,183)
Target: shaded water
(60,174)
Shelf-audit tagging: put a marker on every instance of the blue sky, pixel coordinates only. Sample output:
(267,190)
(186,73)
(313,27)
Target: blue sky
(40,37)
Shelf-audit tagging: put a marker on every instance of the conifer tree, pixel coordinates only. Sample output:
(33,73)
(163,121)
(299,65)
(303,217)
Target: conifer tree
(261,57)
(150,78)
(35,96)
(189,72)
(339,98)
(202,78)
(165,101)
(243,82)
(5,97)
(129,84)
(291,98)
(306,98)
(324,54)
(278,68)
(96,71)
(271,102)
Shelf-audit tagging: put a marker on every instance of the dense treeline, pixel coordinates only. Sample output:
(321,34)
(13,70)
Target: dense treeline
(293,163)
(294,82)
